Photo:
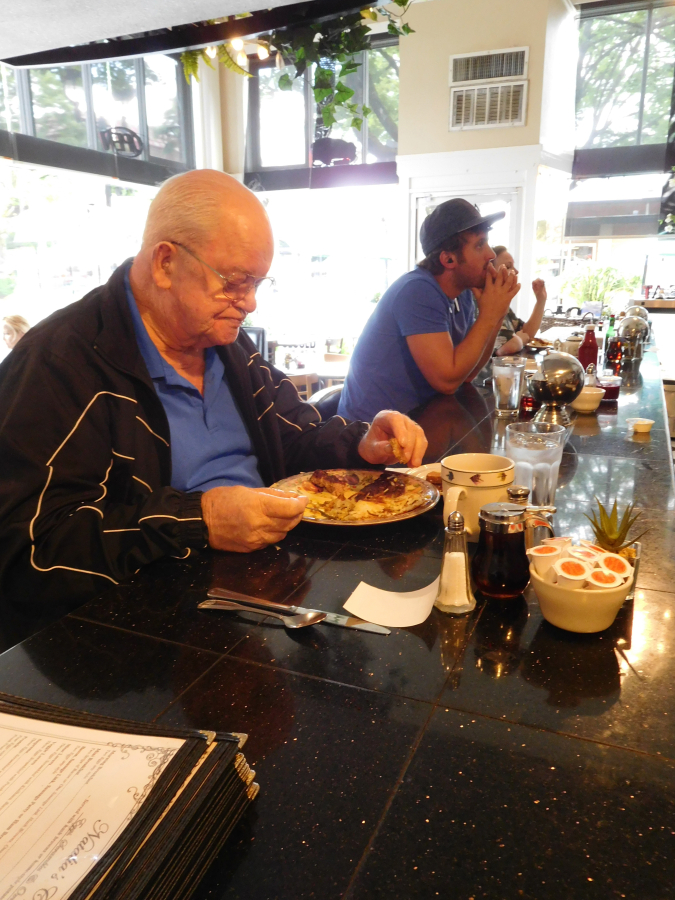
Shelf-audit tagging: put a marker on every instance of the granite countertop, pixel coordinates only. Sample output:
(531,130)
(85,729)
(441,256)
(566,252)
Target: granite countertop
(488,756)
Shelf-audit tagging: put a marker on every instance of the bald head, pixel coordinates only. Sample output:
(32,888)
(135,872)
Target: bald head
(199,207)
(204,230)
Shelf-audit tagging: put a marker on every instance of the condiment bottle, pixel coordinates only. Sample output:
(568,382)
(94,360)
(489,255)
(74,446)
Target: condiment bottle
(500,567)
(611,331)
(591,378)
(454,589)
(588,349)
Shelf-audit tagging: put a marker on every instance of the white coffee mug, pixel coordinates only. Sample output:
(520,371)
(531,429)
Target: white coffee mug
(470,480)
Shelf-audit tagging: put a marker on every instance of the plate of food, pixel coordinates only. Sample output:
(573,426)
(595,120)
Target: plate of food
(361,496)
(539,343)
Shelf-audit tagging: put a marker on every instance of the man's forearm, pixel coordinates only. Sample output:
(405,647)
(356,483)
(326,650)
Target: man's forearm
(477,345)
(487,352)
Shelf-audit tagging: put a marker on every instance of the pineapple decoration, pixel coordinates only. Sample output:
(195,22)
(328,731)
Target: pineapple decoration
(610,534)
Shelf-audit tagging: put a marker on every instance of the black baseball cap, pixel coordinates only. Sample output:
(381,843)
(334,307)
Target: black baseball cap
(451,218)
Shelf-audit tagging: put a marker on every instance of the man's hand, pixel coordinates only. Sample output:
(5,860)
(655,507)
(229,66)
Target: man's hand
(375,447)
(243,519)
(501,286)
(539,288)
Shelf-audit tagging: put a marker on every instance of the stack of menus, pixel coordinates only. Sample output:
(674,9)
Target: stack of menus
(101,808)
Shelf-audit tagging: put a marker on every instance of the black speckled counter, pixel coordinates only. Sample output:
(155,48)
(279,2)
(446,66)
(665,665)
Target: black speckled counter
(491,756)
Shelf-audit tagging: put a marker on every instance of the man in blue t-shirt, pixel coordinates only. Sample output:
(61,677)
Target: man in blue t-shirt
(424,336)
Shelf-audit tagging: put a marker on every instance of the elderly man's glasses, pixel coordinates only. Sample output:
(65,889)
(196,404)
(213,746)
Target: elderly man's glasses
(235,286)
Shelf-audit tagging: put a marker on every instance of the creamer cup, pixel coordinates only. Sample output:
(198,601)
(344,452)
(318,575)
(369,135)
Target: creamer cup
(592,546)
(543,557)
(612,562)
(601,579)
(572,573)
(563,542)
(584,553)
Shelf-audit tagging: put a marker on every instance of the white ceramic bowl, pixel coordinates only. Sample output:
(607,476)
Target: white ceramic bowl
(588,400)
(640,425)
(585,610)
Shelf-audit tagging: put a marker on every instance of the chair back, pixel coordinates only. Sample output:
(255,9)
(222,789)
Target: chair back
(259,338)
(327,400)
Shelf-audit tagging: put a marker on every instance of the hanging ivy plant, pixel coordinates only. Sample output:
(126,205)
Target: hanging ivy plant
(327,46)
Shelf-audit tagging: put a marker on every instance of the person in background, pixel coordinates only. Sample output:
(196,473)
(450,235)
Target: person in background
(13,329)
(424,337)
(514,333)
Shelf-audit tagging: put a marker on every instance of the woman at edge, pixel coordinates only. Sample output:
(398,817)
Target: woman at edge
(515,333)
(13,329)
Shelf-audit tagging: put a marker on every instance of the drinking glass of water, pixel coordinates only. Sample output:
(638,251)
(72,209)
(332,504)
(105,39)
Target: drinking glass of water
(536,449)
(508,375)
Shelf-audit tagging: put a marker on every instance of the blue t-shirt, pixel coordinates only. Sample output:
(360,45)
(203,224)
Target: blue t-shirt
(210,446)
(382,371)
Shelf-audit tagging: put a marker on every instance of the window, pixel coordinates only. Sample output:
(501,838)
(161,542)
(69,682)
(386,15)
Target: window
(59,105)
(625,77)
(162,74)
(283,124)
(115,96)
(62,233)
(77,105)
(9,99)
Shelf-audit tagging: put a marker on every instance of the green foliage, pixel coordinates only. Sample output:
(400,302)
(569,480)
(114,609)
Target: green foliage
(610,534)
(229,63)
(190,60)
(589,283)
(7,285)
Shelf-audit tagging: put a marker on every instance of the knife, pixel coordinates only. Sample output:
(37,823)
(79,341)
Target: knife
(331,618)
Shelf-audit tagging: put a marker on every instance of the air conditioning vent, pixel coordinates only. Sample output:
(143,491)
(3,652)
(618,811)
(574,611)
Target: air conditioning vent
(488,106)
(495,64)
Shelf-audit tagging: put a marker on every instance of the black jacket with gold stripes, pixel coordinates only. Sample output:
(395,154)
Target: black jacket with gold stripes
(85,461)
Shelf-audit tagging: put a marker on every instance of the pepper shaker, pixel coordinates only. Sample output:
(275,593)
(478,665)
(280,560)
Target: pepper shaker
(454,589)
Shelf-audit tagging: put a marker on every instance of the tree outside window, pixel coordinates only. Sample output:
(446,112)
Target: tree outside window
(625,78)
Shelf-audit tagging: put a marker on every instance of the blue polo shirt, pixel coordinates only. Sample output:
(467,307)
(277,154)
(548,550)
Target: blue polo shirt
(210,446)
(382,371)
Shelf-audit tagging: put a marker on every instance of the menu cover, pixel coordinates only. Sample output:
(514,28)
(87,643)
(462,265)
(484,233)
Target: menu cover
(95,807)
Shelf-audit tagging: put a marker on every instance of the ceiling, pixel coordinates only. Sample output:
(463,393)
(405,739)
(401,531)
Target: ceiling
(29,26)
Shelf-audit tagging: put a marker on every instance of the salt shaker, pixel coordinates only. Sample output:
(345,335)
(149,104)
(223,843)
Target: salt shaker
(454,590)
(591,378)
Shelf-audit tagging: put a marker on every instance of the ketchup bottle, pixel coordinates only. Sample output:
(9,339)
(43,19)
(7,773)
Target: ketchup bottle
(588,349)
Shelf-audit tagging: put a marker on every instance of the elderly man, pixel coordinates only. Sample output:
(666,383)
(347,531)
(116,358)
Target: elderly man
(140,422)
(424,337)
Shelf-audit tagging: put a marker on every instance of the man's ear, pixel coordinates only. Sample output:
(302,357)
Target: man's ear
(162,264)
(448,259)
